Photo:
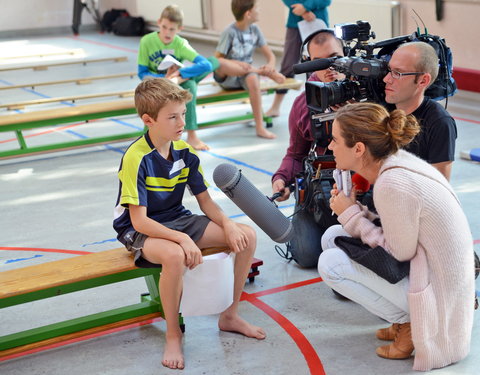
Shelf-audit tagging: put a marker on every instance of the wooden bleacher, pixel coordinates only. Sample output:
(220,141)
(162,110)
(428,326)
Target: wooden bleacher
(209,94)
(80,61)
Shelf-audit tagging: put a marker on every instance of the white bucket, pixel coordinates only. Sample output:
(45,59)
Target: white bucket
(208,288)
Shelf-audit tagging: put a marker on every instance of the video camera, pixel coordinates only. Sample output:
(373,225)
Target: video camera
(365,71)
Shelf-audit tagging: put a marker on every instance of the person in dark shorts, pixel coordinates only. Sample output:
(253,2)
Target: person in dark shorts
(152,222)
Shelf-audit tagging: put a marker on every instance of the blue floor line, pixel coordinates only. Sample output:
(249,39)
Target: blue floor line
(231,217)
(21,259)
(239,163)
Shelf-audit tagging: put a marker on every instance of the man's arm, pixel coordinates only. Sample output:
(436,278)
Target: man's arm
(444,168)
(299,144)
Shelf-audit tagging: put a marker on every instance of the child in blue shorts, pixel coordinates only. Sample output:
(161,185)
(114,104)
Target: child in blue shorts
(152,222)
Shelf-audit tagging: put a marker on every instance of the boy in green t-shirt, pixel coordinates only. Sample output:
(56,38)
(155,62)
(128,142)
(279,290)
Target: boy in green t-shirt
(155,46)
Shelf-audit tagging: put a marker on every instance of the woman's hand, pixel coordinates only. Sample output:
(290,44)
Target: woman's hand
(339,202)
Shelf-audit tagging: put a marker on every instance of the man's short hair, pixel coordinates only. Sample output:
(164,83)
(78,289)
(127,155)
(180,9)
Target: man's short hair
(152,94)
(428,58)
(322,37)
(172,13)
(240,7)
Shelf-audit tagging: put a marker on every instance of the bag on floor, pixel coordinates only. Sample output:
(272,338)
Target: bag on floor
(110,16)
(208,288)
(129,26)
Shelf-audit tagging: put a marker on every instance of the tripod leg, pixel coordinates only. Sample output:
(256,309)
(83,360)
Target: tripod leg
(77,15)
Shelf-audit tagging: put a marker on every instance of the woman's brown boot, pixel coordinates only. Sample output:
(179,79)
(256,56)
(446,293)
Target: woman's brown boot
(402,347)
(388,334)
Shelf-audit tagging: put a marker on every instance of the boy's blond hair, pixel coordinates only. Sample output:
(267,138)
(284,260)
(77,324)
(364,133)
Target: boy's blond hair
(240,7)
(173,13)
(152,94)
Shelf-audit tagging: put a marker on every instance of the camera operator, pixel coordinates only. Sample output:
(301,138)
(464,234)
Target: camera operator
(412,69)
(306,243)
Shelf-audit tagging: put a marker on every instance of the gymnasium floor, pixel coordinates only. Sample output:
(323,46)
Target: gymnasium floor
(58,203)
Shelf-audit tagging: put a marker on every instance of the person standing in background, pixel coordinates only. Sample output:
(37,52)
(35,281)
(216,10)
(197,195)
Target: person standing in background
(307,10)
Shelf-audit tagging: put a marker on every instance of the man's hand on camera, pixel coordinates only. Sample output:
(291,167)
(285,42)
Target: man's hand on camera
(279,186)
(336,107)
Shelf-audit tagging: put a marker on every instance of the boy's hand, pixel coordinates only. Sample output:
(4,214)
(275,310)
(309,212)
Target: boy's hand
(171,70)
(237,240)
(266,69)
(193,255)
(298,9)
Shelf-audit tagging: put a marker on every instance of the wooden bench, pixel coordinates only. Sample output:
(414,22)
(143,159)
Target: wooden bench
(64,276)
(78,81)
(70,62)
(209,94)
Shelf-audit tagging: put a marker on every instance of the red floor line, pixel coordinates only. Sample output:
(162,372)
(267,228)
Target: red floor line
(103,44)
(286,287)
(76,252)
(466,119)
(311,356)
(48,131)
(80,339)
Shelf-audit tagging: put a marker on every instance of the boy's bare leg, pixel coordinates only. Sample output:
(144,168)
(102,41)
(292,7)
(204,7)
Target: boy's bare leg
(255,95)
(232,68)
(272,74)
(172,258)
(230,320)
(274,110)
(195,142)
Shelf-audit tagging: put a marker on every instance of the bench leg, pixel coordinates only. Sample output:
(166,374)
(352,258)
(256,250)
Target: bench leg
(154,295)
(268,121)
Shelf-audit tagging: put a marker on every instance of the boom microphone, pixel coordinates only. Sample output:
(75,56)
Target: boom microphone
(314,65)
(360,183)
(252,202)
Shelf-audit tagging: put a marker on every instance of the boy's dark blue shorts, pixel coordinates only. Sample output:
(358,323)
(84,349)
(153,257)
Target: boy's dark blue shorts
(193,225)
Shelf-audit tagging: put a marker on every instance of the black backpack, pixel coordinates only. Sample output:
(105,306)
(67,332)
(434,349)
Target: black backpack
(129,26)
(110,16)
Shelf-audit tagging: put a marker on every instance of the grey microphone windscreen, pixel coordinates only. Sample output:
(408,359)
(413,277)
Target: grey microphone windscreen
(252,202)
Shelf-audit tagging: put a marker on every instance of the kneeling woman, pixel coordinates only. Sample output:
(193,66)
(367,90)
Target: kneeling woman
(421,222)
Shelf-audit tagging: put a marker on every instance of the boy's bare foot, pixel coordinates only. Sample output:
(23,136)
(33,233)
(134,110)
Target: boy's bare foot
(264,133)
(233,323)
(196,142)
(272,112)
(173,354)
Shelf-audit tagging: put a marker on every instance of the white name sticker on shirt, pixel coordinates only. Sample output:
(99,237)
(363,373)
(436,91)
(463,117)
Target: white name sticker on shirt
(178,165)
(247,37)
(168,52)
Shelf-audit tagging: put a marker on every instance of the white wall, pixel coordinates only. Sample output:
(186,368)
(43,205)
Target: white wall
(37,14)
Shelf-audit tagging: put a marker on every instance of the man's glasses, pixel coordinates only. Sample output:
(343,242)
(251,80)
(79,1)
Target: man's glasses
(398,75)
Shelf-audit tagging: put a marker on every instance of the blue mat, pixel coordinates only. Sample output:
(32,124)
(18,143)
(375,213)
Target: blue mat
(473,154)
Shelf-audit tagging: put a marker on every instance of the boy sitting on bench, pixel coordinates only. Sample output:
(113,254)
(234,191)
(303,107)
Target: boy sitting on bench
(238,43)
(156,46)
(153,224)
